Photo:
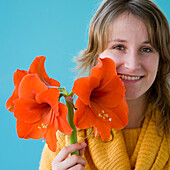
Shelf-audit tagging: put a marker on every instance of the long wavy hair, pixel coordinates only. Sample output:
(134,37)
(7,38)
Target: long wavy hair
(159,36)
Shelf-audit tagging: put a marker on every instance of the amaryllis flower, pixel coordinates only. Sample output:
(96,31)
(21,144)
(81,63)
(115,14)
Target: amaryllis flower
(35,104)
(101,103)
(37,67)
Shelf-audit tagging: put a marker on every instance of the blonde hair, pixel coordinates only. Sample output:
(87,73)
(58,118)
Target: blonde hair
(159,37)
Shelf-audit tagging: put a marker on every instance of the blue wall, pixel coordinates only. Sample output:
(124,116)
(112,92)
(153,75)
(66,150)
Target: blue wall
(29,28)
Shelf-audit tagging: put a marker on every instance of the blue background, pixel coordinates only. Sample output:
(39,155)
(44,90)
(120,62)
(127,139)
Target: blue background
(30,28)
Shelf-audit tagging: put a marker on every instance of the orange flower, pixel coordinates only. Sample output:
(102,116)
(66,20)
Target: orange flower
(36,106)
(37,67)
(101,103)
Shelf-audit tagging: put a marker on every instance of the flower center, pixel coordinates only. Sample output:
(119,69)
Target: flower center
(43,126)
(104,116)
(99,112)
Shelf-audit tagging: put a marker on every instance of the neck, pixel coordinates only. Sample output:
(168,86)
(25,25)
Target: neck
(136,112)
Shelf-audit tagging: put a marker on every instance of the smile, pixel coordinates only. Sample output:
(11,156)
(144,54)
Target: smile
(124,77)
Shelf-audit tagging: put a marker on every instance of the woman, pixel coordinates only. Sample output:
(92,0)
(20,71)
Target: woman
(135,34)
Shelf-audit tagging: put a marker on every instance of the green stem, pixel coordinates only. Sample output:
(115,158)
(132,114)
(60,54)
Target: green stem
(73,137)
(71,94)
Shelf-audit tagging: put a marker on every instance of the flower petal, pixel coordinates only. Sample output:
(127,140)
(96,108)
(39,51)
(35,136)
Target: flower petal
(54,82)
(103,129)
(104,70)
(122,112)
(83,87)
(50,96)
(10,102)
(83,116)
(50,135)
(63,125)
(27,131)
(30,86)
(23,129)
(108,115)
(109,95)
(33,130)
(111,90)
(37,67)
(18,75)
(28,110)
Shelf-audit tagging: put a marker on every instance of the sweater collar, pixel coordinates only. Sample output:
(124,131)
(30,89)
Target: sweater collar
(151,151)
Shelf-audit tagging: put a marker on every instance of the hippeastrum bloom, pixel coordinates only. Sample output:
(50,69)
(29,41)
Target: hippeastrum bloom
(101,103)
(37,67)
(35,104)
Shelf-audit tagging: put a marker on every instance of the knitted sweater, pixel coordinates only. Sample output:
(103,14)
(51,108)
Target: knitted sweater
(145,149)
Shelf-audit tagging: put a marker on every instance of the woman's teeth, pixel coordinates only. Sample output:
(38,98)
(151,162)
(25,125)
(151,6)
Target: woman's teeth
(124,77)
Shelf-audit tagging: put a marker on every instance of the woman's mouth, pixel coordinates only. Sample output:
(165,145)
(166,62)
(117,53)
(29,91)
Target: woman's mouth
(128,77)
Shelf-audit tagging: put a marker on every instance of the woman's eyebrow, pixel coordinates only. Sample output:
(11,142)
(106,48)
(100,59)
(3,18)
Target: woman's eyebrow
(117,40)
(124,41)
(146,42)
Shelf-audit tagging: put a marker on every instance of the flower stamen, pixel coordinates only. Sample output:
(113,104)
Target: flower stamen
(44,126)
(100,115)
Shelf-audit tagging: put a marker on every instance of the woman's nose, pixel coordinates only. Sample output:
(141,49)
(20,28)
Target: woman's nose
(132,61)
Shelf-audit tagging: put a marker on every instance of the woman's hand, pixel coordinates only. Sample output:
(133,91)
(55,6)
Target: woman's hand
(73,162)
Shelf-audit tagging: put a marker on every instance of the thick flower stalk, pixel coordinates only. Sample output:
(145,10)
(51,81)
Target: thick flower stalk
(35,104)
(70,118)
(101,103)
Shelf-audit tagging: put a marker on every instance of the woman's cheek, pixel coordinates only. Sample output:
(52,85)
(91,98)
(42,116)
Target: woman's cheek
(107,54)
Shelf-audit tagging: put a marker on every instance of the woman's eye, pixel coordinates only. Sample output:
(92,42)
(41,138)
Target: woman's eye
(146,50)
(119,47)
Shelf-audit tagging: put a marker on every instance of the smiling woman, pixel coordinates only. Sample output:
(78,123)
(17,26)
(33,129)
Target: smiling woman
(58,30)
(136,59)
(135,35)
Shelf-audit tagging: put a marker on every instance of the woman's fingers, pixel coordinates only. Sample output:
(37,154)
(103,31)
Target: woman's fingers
(60,162)
(72,161)
(81,151)
(77,167)
(63,154)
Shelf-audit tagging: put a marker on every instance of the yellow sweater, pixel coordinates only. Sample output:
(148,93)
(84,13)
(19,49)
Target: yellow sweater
(139,149)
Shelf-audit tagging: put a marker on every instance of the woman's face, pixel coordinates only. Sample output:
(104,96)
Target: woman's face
(136,60)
